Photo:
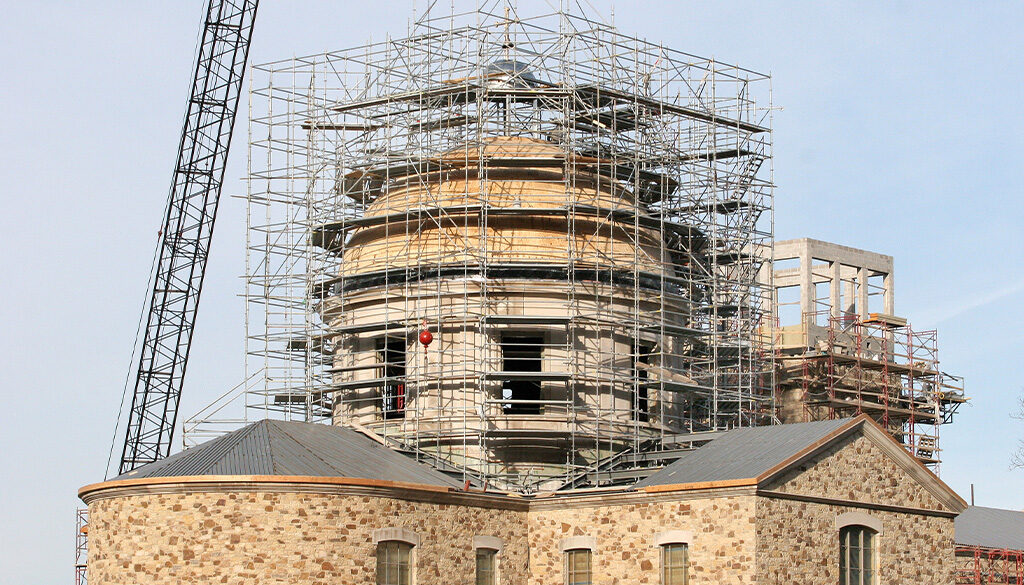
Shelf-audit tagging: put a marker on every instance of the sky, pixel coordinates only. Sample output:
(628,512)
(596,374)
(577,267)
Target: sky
(899,130)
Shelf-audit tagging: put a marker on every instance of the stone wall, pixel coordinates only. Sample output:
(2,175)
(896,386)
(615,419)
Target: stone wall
(320,538)
(310,538)
(857,469)
(722,549)
(781,532)
(798,540)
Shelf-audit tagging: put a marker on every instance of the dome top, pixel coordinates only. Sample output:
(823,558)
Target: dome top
(511,72)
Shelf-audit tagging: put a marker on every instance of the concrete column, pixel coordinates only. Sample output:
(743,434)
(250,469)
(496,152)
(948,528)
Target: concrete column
(849,291)
(835,294)
(862,292)
(889,298)
(806,286)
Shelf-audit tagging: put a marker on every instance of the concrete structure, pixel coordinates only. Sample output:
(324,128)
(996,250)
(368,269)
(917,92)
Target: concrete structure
(816,281)
(772,515)
(843,351)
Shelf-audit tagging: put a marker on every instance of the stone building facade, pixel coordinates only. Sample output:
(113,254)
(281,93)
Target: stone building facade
(773,517)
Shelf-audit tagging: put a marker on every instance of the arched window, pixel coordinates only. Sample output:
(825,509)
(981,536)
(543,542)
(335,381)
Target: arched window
(393,566)
(578,552)
(857,558)
(675,553)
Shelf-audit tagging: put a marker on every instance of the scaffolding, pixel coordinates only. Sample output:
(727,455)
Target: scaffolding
(81,545)
(842,351)
(977,565)
(579,217)
(880,366)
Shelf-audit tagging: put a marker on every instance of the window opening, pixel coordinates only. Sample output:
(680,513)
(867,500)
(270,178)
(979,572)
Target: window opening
(577,567)
(521,355)
(391,356)
(856,555)
(673,564)
(787,306)
(641,405)
(393,563)
(486,566)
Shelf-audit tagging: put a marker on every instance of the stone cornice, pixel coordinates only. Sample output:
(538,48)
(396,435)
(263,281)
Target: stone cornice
(297,484)
(856,504)
(397,490)
(441,495)
(702,485)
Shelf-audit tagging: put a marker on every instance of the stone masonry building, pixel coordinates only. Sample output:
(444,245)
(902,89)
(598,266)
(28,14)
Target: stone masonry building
(279,502)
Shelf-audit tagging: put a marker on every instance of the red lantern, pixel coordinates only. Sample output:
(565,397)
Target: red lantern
(426,337)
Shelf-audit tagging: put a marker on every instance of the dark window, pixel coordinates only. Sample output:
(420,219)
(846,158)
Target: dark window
(856,555)
(393,563)
(521,356)
(391,356)
(486,566)
(641,408)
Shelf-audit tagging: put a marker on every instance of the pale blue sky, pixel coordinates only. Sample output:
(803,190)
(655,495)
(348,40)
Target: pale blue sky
(901,132)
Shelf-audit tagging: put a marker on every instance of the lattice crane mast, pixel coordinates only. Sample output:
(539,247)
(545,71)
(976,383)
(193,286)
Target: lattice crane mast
(187,230)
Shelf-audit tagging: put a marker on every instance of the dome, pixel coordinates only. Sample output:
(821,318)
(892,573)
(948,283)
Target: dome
(511,200)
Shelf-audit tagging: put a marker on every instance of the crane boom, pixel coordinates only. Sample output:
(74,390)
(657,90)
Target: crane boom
(187,230)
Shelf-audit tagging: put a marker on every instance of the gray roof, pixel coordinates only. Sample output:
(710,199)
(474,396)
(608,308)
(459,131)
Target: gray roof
(990,527)
(273,447)
(743,453)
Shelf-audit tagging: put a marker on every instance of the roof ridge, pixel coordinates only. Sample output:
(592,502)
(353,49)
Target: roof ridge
(266,422)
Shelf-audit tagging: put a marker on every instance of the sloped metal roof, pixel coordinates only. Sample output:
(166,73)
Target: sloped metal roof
(272,447)
(743,453)
(990,528)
